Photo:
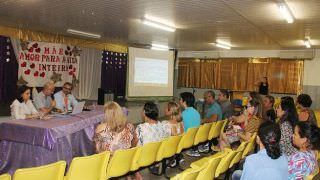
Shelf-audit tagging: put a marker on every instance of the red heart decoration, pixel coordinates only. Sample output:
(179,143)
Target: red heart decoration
(27,72)
(36,74)
(31,49)
(24,64)
(42,74)
(35,45)
(70,73)
(70,67)
(32,65)
(38,50)
(74,69)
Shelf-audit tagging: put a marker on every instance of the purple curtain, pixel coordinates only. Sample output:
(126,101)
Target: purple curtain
(114,73)
(8,74)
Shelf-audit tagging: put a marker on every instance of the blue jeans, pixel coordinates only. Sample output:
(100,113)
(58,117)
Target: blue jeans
(236,175)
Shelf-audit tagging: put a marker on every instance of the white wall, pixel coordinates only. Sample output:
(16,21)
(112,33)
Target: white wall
(311,75)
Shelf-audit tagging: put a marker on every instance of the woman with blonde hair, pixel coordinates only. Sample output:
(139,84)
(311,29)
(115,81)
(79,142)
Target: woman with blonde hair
(114,132)
(174,123)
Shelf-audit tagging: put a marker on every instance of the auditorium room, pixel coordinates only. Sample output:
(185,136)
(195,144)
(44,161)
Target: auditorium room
(159,89)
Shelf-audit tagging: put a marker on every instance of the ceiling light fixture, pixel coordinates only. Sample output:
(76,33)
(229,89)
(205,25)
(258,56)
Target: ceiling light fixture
(160,47)
(152,22)
(286,13)
(307,43)
(81,33)
(222,46)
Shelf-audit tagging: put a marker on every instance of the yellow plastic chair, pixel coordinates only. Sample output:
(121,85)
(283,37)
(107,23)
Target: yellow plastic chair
(225,163)
(168,147)
(202,133)
(187,139)
(237,158)
(204,160)
(317,114)
(121,162)
(54,171)
(89,167)
(188,174)
(5,177)
(223,125)
(313,175)
(250,145)
(145,155)
(214,133)
(209,171)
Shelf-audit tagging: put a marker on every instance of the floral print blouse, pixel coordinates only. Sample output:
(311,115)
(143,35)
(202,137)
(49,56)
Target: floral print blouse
(301,164)
(286,145)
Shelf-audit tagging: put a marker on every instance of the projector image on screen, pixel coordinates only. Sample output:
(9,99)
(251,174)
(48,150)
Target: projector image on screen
(151,71)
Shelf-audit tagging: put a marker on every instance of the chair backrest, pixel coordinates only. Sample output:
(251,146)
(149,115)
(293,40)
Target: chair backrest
(217,129)
(116,166)
(54,171)
(237,158)
(187,139)
(188,174)
(5,177)
(250,145)
(314,174)
(89,167)
(202,133)
(209,170)
(225,162)
(317,114)
(168,147)
(145,155)
(225,122)
(212,130)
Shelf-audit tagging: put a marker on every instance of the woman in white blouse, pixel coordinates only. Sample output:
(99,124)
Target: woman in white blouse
(22,107)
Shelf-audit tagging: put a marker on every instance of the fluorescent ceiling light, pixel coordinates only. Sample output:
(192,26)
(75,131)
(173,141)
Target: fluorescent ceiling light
(157,23)
(223,42)
(307,43)
(81,33)
(160,47)
(222,46)
(286,13)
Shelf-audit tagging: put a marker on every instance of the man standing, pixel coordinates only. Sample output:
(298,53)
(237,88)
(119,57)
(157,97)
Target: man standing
(64,99)
(212,111)
(43,100)
(226,106)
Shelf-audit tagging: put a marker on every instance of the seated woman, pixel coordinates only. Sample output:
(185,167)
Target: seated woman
(241,128)
(174,124)
(22,107)
(268,163)
(305,112)
(114,132)
(151,130)
(303,162)
(287,114)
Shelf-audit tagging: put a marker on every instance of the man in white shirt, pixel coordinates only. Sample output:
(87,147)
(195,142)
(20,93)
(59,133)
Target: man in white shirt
(43,100)
(65,101)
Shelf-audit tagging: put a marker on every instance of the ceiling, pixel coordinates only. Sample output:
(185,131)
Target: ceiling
(246,24)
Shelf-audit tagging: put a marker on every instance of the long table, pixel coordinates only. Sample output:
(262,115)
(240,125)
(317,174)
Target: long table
(34,142)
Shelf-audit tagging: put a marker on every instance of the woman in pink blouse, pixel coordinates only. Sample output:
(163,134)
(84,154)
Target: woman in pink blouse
(114,132)
(306,138)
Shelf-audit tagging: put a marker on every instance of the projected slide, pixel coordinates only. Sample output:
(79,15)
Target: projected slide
(151,71)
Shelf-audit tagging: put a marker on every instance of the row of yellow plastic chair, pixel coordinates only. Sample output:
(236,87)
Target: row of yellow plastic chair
(122,162)
(209,168)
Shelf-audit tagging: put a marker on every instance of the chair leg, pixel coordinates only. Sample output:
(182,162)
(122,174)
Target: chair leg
(227,174)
